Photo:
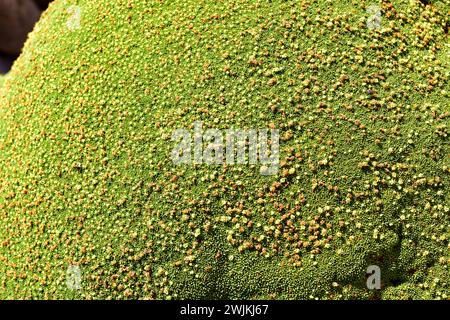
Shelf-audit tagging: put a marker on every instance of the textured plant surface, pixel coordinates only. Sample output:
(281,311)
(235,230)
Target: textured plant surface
(87,114)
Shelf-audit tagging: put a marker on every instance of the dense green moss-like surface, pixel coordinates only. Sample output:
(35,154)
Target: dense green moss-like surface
(86,118)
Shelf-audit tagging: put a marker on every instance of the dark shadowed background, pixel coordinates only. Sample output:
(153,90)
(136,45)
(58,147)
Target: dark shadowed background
(17,19)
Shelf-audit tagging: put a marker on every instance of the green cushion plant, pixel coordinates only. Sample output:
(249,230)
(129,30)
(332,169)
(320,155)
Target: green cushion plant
(86,178)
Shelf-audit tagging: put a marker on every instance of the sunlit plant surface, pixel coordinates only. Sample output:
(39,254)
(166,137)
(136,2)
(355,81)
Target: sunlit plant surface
(361,100)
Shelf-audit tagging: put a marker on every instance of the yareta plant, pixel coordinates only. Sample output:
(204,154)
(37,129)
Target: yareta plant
(93,206)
